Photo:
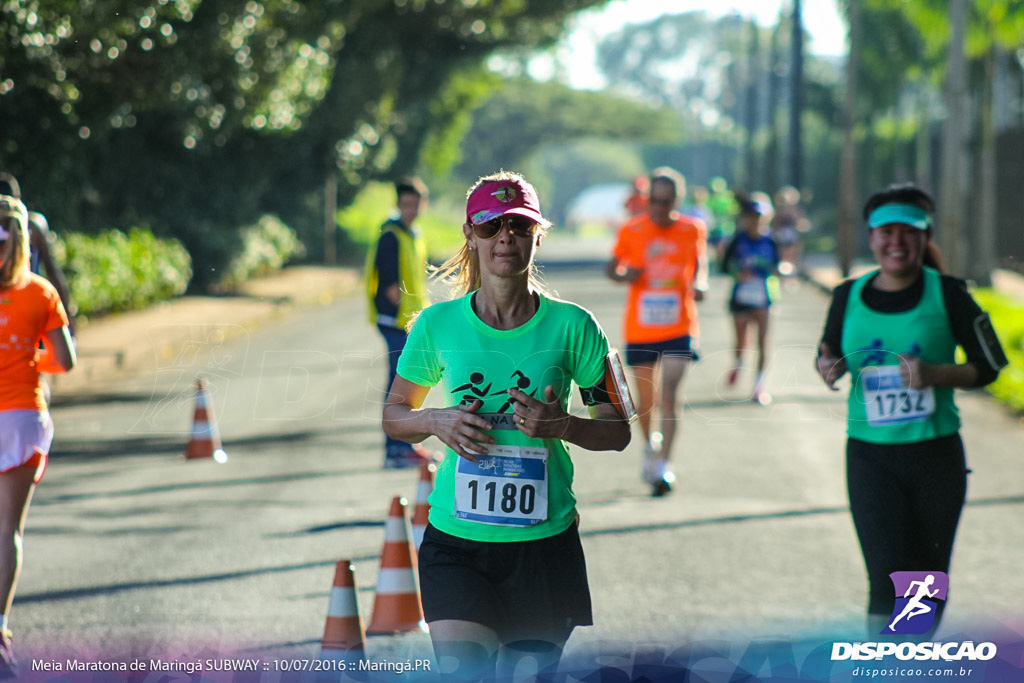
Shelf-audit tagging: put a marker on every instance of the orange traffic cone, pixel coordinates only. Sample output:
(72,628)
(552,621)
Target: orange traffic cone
(396,607)
(205,441)
(344,636)
(422,510)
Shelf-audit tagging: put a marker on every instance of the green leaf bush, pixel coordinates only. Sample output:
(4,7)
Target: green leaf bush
(114,271)
(264,247)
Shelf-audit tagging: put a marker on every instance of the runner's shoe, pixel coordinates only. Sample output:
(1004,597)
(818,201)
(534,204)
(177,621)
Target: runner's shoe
(8,666)
(760,396)
(662,486)
(413,456)
(664,477)
(651,451)
(733,375)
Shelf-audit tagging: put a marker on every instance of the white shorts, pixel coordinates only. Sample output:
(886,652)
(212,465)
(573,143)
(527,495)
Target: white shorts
(24,435)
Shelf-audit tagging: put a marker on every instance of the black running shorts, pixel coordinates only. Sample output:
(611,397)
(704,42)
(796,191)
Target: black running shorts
(648,353)
(527,590)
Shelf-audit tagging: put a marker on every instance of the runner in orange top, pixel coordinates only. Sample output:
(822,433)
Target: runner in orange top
(636,202)
(30,313)
(662,255)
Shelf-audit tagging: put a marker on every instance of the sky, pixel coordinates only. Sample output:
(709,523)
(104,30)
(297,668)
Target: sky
(821,19)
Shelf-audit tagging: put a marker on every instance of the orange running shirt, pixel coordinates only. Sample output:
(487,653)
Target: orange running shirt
(27,312)
(661,304)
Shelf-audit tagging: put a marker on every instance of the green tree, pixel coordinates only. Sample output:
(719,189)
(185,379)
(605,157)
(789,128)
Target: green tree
(727,81)
(198,116)
(960,54)
(524,115)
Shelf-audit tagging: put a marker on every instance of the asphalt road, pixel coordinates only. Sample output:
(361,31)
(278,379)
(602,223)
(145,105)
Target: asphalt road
(131,551)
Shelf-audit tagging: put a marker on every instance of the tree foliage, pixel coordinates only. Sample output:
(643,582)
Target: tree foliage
(727,79)
(523,116)
(198,116)
(905,44)
(685,62)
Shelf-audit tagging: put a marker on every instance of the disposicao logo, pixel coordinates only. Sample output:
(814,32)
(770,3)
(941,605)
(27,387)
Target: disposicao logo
(918,595)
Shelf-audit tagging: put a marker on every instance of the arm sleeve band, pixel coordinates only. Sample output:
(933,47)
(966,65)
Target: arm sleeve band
(612,389)
(973,331)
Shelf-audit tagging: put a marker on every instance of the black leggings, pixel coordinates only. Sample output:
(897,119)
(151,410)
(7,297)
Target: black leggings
(906,501)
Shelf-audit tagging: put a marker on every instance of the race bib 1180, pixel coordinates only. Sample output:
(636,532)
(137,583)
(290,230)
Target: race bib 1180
(507,486)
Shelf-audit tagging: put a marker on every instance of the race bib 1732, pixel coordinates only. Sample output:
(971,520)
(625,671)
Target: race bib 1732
(888,401)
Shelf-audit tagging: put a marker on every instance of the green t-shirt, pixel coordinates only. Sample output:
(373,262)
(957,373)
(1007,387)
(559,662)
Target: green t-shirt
(503,498)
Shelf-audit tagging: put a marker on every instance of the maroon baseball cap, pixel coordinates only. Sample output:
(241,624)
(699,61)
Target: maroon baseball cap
(501,197)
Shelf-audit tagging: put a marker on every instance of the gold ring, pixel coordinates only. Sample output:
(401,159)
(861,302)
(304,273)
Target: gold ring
(522,421)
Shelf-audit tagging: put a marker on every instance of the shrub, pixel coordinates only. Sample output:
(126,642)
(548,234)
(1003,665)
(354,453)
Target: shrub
(265,247)
(113,271)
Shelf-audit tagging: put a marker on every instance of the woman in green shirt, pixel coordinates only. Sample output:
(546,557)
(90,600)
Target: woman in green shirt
(502,573)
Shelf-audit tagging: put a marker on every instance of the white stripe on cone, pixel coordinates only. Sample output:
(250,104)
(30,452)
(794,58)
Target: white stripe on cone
(395,530)
(342,603)
(202,430)
(396,581)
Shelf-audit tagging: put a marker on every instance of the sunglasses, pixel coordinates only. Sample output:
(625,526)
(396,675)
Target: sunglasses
(520,226)
(658,201)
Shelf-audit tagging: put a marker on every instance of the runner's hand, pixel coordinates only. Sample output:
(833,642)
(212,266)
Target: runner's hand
(540,419)
(462,430)
(829,367)
(915,372)
(624,273)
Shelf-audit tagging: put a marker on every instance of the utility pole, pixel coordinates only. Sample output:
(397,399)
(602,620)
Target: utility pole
(955,161)
(330,208)
(796,75)
(750,122)
(771,155)
(848,222)
(985,257)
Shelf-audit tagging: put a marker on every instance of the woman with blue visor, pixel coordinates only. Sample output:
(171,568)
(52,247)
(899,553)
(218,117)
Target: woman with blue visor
(896,330)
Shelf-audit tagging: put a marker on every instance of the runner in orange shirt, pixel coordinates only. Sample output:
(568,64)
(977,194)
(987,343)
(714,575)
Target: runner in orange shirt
(30,313)
(662,255)
(636,202)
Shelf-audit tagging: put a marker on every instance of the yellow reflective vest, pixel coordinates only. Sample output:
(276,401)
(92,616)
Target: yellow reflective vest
(412,277)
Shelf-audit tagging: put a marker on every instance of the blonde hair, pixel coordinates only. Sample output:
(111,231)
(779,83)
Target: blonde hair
(462,271)
(15,250)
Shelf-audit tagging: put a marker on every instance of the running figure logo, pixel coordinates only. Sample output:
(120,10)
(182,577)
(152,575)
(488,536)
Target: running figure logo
(476,390)
(918,595)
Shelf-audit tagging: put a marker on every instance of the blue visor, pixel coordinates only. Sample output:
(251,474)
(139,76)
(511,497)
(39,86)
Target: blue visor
(900,213)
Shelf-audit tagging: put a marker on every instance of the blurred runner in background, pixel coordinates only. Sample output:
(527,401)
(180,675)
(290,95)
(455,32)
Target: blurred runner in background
(662,256)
